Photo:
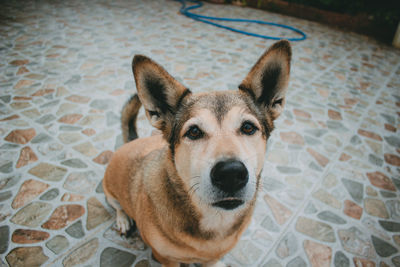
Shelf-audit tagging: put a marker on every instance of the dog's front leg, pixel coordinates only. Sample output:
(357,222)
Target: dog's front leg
(214,264)
(123,221)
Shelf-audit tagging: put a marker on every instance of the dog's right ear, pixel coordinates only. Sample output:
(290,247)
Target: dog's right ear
(158,91)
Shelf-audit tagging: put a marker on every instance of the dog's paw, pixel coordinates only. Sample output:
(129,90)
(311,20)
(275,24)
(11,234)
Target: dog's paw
(132,229)
(123,222)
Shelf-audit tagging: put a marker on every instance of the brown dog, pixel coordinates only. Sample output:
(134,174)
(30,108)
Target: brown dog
(191,190)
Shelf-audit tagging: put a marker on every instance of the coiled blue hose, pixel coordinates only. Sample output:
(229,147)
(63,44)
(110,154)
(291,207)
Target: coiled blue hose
(185,11)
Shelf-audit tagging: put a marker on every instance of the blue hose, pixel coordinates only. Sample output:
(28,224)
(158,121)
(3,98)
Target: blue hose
(185,11)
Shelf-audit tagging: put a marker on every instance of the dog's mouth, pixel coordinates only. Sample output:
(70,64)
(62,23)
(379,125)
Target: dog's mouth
(228,204)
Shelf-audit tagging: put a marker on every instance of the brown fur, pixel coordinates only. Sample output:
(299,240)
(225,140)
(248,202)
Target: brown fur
(162,181)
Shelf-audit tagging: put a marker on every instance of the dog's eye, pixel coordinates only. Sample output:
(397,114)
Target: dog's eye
(248,128)
(194,133)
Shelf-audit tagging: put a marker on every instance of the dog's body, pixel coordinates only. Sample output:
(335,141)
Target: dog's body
(169,224)
(191,190)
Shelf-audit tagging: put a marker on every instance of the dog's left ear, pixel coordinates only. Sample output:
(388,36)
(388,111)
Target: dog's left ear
(268,79)
(158,91)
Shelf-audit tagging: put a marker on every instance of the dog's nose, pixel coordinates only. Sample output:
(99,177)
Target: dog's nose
(229,176)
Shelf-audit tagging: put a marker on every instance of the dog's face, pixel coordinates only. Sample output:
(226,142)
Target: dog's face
(219,148)
(217,140)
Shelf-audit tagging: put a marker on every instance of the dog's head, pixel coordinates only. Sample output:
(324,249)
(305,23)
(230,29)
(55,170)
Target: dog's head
(217,140)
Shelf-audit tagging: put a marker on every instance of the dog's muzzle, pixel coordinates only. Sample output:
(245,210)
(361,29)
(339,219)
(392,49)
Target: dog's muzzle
(229,176)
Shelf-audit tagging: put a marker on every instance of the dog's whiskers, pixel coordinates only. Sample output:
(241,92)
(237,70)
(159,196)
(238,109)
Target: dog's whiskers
(194,188)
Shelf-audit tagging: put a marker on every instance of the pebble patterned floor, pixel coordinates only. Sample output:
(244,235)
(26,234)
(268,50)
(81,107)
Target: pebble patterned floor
(331,177)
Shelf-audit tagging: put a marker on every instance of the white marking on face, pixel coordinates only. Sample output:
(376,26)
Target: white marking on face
(220,141)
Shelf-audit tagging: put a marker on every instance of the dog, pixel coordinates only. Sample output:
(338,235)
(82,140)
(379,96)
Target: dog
(191,189)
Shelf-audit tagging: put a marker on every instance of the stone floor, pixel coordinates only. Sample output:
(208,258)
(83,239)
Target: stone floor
(332,173)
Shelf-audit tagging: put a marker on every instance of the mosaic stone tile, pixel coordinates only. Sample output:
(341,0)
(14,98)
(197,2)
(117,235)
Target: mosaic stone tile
(371,192)
(86,149)
(48,172)
(376,207)
(63,216)
(9,182)
(393,141)
(390,226)
(272,263)
(41,138)
(82,254)
(321,159)
(380,180)
(142,263)
(32,214)
(7,167)
(394,209)
(70,118)
(396,261)
(45,119)
(69,138)
(104,135)
(356,242)
(386,194)
(112,119)
(269,224)
(4,236)
(90,120)
(351,209)
(280,212)
(89,132)
(57,244)
(96,213)
(292,138)
(341,260)
(297,262)
(383,249)
(318,254)
(50,195)
(287,246)
(330,217)
(392,159)
(71,197)
(28,191)
(26,256)
(245,252)
(26,157)
(115,257)
(22,236)
(396,183)
(327,198)
(99,188)
(5,195)
(355,189)
(81,182)
(359,262)
(310,208)
(22,136)
(104,157)
(74,163)
(318,230)
(396,239)
(66,108)
(76,230)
